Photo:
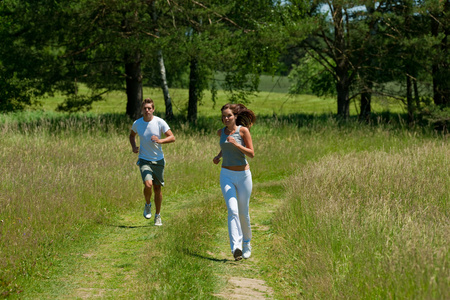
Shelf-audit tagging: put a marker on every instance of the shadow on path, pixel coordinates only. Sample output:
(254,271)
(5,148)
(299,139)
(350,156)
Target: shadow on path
(130,226)
(187,252)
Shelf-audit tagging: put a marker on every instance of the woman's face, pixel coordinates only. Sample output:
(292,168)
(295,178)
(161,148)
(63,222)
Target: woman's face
(228,117)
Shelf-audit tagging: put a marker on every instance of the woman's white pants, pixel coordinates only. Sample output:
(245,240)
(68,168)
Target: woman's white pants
(236,189)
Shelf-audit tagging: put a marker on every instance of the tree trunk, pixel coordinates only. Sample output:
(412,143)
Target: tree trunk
(343,101)
(441,67)
(193,91)
(366,109)
(409,99)
(441,85)
(133,85)
(416,94)
(164,86)
(342,64)
(162,69)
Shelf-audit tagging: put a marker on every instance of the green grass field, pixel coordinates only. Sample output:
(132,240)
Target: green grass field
(340,210)
(272,99)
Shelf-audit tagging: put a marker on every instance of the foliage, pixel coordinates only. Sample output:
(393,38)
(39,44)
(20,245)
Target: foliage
(232,41)
(365,45)
(75,103)
(358,47)
(16,95)
(106,44)
(437,116)
(309,76)
(26,64)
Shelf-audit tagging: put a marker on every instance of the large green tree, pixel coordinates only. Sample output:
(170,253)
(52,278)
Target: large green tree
(407,53)
(361,46)
(28,65)
(103,44)
(63,43)
(439,16)
(227,38)
(112,45)
(339,36)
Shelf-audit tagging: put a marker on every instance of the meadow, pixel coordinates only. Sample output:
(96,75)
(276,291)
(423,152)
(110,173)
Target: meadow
(340,209)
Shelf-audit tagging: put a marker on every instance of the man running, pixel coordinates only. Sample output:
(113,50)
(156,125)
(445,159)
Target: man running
(151,160)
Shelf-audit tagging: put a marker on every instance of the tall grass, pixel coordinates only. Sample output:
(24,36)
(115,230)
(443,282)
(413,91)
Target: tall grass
(284,150)
(57,178)
(368,225)
(61,175)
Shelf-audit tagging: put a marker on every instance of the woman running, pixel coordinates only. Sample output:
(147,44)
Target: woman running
(235,176)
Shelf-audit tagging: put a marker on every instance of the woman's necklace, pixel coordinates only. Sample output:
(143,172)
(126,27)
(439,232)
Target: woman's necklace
(230,131)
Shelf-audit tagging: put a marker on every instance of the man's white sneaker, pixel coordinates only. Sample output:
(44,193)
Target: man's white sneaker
(237,254)
(147,211)
(158,221)
(247,250)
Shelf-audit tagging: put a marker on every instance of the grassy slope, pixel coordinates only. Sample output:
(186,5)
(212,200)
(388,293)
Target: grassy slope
(272,99)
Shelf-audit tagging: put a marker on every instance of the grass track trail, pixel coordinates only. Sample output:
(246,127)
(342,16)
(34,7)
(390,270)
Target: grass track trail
(245,279)
(108,263)
(105,265)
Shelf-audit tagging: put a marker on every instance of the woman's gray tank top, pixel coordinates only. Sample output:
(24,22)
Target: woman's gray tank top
(231,155)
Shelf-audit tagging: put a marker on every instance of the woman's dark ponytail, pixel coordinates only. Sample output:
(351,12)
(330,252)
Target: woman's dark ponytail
(244,116)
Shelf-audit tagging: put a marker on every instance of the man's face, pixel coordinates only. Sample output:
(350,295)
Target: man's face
(147,110)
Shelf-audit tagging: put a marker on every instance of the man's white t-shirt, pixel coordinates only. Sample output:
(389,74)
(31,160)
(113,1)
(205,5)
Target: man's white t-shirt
(148,149)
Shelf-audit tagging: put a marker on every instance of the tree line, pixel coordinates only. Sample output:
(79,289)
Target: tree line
(353,50)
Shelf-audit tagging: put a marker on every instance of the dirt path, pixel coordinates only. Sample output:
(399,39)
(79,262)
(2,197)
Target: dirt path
(243,277)
(105,266)
(108,264)
(110,268)
(247,288)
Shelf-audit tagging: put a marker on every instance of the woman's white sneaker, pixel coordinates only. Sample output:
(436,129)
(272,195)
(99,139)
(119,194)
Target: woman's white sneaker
(247,250)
